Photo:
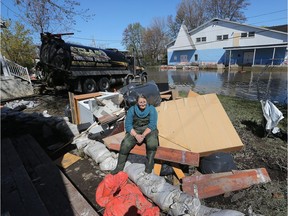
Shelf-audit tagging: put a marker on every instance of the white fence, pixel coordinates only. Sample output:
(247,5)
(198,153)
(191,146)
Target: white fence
(16,70)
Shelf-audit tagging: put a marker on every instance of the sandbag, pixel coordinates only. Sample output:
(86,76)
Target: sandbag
(122,198)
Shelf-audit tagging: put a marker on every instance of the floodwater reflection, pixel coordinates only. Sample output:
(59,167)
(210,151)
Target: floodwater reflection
(271,85)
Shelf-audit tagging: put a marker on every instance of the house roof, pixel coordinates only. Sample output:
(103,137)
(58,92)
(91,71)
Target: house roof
(281,28)
(235,23)
(272,29)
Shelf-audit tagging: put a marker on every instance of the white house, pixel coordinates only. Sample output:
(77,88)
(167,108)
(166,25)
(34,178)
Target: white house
(229,43)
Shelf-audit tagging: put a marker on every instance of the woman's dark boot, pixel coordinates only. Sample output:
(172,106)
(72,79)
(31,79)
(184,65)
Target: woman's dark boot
(120,164)
(150,164)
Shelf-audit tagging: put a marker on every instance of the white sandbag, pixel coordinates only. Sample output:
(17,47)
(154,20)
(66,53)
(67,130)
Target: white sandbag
(185,205)
(81,142)
(153,186)
(108,164)
(218,212)
(97,151)
(135,171)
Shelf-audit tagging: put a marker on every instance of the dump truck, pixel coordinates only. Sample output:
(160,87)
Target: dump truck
(82,68)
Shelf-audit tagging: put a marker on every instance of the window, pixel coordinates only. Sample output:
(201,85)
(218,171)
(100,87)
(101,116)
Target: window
(247,34)
(202,39)
(222,37)
(196,57)
(251,34)
(243,34)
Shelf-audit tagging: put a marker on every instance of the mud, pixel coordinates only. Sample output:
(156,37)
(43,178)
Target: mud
(260,150)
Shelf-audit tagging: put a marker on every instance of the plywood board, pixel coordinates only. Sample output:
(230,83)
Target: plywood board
(198,124)
(67,160)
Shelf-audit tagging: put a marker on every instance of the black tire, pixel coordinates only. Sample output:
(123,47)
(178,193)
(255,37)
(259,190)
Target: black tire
(104,84)
(129,79)
(144,79)
(89,85)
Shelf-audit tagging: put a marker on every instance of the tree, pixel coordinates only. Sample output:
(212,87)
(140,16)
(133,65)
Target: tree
(17,45)
(173,27)
(227,9)
(51,15)
(133,40)
(192,13)
(155,40)
(196,12)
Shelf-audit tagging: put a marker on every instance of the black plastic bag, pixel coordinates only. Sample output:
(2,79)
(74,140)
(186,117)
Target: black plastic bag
(149,89)
(216,163)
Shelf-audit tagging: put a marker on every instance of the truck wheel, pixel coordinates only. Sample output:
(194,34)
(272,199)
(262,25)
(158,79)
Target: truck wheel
(104,84)
(129,79)
(144,79)
(89,85)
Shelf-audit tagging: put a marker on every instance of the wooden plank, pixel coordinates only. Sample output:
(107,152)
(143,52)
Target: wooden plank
(79,204)
(86,96)
(67,160)
(198,124)
(46,177)
(19,196)
(76,98)
(44,174)
(166,96)
(220,183)
(157,168)
(108,118)
(72,107)
(179,173)
(165,154)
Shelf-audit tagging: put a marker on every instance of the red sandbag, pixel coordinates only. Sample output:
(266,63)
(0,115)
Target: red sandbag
(122,198)
(110,184)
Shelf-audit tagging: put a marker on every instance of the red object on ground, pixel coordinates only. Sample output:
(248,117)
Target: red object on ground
(210,185)
(122,198)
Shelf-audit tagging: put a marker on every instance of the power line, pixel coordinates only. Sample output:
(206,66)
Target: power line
(266,14)
(81,38)
(282,18)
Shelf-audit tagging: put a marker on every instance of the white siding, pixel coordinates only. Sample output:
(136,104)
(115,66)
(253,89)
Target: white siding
(262,36)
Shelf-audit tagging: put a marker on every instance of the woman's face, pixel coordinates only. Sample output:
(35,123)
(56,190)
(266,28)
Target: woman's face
(142,102)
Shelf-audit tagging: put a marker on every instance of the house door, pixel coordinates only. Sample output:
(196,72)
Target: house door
(183,59)
(248,58)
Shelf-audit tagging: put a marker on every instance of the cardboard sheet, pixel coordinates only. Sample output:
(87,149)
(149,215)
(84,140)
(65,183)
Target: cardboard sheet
(198,124)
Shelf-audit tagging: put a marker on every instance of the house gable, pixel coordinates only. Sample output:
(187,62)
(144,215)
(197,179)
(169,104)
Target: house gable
(183,40)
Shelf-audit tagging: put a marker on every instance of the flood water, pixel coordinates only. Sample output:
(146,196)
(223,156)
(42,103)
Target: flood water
(262,85)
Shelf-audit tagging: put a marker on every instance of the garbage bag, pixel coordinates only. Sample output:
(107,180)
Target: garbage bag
(119,197)
(216,163)
(149,89)
(272,115)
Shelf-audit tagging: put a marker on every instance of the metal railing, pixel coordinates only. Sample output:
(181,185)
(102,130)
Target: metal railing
(17,70)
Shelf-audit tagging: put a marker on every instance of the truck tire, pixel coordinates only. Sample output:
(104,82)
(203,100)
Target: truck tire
(89,85)
(129,79)
(104,84)
(143,79)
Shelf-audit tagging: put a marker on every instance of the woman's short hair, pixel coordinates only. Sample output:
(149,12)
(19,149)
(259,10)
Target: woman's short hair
(141,96)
